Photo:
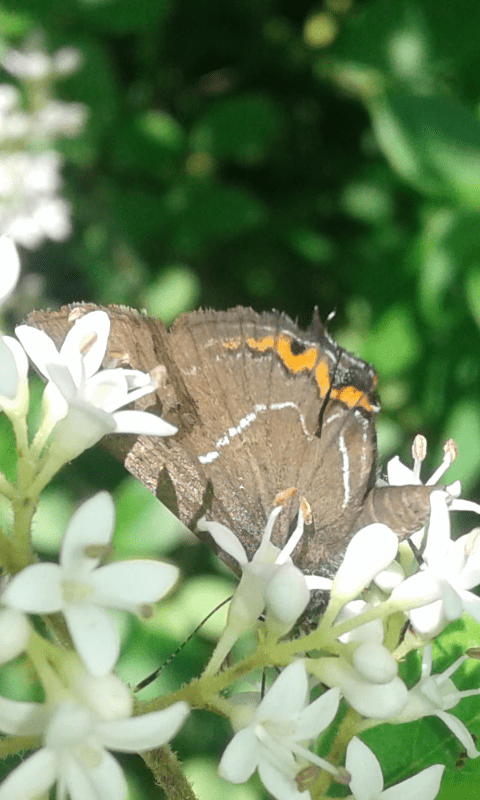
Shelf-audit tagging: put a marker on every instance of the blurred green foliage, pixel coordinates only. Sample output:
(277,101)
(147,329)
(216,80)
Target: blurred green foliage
(277,154)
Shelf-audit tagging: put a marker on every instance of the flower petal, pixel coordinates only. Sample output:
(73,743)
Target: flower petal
(418,590)
(36,589)
(317,715)
(374,700)
(38,346)
(103,782)
(428,620)
(18,717)
(367,779)
(470,573)
(225,539)
(128,584)
(240,759)
(92,330)
(107,389)
(142,422)
(9,378)
(82,427)
(9,268)
(60,375)
(438,537)
(94,637)
(370,632)
(471,604)
(372,549)
(279,785)
(287,696)
(452,602)
(14,633)
(460,731)
(400,475)
(286,597)
(32,778)
(92,523)
(136,734)
(375,663)
(423,786)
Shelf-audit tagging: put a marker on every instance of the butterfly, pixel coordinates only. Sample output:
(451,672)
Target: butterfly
(263,409)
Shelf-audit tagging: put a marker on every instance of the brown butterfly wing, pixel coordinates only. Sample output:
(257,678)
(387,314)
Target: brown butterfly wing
(249,428)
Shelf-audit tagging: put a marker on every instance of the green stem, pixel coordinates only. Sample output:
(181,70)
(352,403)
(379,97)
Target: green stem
(347,729)
(8,557)
(16,744)
(167,773)
(23,511)
(6,488)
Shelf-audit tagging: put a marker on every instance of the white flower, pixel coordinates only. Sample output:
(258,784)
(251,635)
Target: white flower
(369,697)
(9,268)
(249,599)
(14,634)
(371,550)
(75,748)
(82,590)
(400,475)
(270,740)
(433,695)
(85,398)
(14,393)
(368,632)
(367,781)
(270,580)
(371,659)
(30,209)
(439,591)
(36,65)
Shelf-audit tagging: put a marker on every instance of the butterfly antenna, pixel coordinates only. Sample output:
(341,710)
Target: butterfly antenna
(150,678)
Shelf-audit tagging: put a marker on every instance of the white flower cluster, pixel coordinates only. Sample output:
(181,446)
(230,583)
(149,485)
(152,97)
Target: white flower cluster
(380,589)
(87,709)
(31,209)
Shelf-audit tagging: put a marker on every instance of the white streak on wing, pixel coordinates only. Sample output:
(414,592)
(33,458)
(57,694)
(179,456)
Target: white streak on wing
(279,406)
(245,422)
(345,470)
(209,457)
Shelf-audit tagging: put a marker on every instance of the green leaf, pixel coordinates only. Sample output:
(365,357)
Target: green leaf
(433,142)
(394,343)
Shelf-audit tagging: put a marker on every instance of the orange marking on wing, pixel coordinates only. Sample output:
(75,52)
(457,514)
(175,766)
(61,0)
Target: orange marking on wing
(261,345)
(322,377)
(298,362)
(231,345)
(351,397)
